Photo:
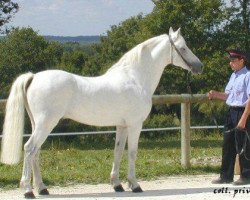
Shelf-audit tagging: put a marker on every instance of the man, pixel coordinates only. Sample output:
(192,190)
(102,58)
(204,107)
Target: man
(237,97)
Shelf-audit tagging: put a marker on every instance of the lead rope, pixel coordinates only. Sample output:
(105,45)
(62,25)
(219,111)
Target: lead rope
(188,81)
(210,105)
(246,138)
(189,89)
(171,53)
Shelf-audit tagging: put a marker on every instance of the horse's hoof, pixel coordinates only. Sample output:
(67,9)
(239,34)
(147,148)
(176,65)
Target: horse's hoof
(119,188)
(137,189)
(29,195)
(44,192)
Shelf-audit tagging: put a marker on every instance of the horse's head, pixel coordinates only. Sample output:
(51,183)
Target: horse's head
(181,55)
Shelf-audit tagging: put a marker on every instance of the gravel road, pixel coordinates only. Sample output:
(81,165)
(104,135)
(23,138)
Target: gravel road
(169,188)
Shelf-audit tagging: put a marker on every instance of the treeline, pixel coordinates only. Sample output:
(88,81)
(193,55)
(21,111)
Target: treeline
(78,39)
(209,27)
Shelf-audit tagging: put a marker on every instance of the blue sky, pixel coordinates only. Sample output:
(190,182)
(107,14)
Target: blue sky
(76,17)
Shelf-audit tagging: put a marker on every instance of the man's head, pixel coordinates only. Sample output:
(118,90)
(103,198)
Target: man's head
(237,58)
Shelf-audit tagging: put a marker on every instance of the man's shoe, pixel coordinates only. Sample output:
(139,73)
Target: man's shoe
(221,180)
(242,181)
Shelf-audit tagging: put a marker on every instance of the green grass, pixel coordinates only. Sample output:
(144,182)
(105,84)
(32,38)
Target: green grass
(80,161)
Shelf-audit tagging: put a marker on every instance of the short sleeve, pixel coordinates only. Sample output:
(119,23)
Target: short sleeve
(247,83)
(229,85)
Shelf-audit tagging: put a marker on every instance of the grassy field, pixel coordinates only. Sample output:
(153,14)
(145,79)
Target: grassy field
(80,161)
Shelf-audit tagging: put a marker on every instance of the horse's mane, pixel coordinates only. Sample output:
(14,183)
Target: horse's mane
(133,57)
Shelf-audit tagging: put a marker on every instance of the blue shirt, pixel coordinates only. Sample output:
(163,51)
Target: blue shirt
(238,88)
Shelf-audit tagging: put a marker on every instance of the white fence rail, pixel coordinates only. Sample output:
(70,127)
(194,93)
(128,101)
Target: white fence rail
(112,132)
(184,99)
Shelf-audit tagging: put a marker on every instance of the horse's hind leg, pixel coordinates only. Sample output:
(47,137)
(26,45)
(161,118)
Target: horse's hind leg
(37,177)
(120,142)
(31,148)
(29,152)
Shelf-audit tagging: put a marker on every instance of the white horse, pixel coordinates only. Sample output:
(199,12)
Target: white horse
(122,97)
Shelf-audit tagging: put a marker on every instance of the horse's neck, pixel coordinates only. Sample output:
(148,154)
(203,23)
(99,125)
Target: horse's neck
(152,58)
(151,71)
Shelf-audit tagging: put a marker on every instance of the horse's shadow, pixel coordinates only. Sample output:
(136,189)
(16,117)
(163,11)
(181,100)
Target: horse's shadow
(147,193)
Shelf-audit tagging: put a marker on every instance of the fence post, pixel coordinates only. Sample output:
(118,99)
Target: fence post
(185,135)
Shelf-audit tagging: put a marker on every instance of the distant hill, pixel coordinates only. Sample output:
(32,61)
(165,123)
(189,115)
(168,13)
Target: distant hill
(78,39)
(83,40)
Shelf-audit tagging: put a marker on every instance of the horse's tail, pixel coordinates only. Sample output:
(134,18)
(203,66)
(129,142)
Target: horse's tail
(14,120)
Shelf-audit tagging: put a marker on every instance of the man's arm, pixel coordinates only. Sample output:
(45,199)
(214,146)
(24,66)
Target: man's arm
(243,119)
(212,94)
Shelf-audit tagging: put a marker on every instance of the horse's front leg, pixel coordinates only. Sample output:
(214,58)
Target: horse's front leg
(120,142)
(133,139)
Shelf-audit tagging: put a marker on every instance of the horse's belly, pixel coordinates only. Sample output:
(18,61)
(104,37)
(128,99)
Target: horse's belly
(110,112)
(97,117)
(98,121)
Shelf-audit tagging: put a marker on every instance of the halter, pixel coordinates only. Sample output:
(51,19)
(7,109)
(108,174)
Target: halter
(187,63)
(178,52)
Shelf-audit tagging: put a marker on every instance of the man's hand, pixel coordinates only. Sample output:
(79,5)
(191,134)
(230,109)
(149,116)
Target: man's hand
(241,124)
(211,94)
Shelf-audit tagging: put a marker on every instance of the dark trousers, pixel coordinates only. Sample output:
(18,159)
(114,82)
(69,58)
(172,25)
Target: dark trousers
(229,148)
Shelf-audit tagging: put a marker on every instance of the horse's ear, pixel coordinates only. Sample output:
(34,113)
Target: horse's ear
(171,31)
(174,34)
(178,32)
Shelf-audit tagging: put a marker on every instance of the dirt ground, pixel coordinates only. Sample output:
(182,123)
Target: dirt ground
(169,188)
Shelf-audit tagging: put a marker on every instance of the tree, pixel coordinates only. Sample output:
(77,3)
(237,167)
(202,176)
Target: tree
(74,61)
(118,41)
(7,10)
(23,50)
(239,23)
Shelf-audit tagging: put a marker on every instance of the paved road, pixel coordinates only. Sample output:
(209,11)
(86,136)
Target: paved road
(169,188)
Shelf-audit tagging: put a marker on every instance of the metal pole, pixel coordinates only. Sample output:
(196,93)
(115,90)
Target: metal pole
(185,135)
